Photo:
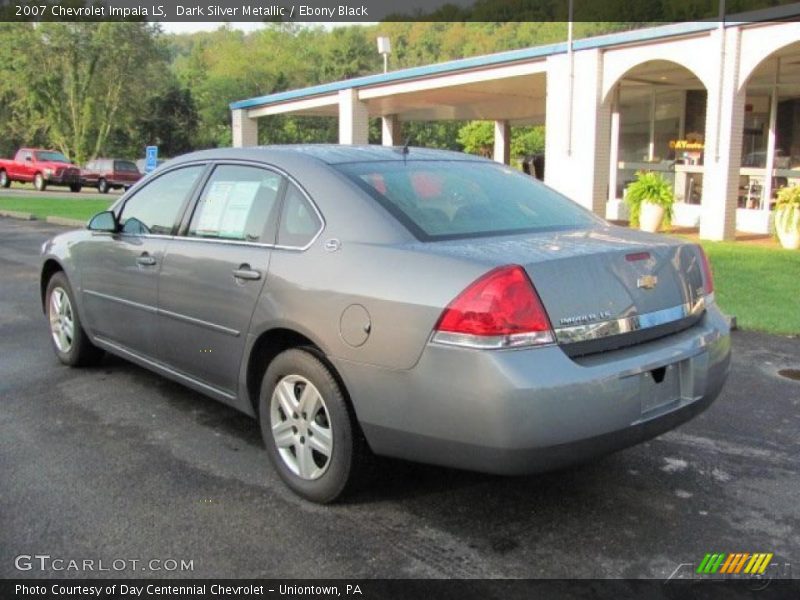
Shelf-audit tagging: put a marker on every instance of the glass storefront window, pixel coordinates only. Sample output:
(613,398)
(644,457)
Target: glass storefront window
(662,130)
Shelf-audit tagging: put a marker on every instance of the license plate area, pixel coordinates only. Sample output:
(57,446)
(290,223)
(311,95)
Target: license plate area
(661,387)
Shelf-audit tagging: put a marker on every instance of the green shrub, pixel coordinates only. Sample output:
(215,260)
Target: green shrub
(787,210)
(649,187)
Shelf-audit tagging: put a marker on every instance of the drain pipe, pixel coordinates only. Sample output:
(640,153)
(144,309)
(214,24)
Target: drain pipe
(571,59)
(721,77)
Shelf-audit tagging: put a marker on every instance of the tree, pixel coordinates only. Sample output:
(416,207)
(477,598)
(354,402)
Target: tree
(19,125)
(477,137)
(526,141)
(82,79)
(170,121)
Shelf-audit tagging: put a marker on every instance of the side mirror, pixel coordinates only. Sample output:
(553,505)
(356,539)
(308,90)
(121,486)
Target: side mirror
(104,221)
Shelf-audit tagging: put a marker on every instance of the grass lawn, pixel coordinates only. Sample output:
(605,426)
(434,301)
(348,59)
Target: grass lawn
(70,208)
(761,286)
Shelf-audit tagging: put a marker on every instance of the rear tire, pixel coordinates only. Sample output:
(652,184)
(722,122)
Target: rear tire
(102,186)
(70,342)
(39,183)
(4,180)
(75,187)
(312,437)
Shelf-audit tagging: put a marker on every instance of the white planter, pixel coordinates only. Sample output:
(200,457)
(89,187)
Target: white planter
(787,226)
(650,217)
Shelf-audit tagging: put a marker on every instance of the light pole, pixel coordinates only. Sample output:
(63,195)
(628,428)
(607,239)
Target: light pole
(384,48)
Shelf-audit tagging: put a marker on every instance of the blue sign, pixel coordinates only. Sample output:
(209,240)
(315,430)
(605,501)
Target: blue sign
(151,159)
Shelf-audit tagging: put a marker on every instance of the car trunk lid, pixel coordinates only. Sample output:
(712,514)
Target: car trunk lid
(603,288)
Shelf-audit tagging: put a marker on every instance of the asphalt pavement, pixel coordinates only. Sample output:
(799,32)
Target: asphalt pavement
(116,463)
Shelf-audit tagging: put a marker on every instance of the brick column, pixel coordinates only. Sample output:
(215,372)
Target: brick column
(723,143)
(245,129)
(391,131)
(579,167)
(502,142)
(353,118)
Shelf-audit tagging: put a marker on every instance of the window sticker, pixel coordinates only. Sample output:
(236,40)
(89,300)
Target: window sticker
(225,208)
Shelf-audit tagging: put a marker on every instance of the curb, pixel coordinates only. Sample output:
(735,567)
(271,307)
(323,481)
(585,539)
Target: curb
(13,214)
(66,222)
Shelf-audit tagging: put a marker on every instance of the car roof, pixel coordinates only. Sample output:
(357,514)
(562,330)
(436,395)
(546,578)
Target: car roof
(329,153)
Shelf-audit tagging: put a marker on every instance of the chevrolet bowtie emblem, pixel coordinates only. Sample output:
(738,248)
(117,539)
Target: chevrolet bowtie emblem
(647,282)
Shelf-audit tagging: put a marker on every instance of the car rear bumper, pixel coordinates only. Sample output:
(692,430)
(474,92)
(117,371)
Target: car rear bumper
(528,410)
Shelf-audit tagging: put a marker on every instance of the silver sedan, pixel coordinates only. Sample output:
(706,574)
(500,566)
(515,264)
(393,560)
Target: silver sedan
(403,302)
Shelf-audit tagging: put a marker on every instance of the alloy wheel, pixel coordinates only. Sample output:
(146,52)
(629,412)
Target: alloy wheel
(62,320)
(301,427)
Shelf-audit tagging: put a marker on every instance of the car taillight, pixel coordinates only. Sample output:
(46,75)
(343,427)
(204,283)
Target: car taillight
(499,310)
(708,278)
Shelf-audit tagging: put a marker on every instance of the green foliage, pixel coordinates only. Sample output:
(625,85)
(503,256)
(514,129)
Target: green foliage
(78,76)
(755,284)
(789,196)
(526,141)
(649,187)
(69,208)
(787,209)
(477,137)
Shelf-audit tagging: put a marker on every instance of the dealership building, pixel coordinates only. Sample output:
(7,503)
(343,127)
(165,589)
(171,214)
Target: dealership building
(714,107)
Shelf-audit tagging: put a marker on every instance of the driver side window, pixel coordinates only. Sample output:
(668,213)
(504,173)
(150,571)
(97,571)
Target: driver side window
(156,207)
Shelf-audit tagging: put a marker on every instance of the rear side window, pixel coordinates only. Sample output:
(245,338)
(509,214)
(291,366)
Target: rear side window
(125,166)
(461,199)
(154,209)
(299,221)
(238,203)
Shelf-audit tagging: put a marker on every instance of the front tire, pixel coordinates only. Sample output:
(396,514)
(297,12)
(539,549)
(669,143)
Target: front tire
(4,180)
(75,187)
(312,438)
(39,183)
(102,186)
(70,342)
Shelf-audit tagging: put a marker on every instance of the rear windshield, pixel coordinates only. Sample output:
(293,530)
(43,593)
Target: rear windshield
(460,199)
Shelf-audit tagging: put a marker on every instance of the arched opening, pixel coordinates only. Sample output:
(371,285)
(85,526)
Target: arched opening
(770,137)
(658,122)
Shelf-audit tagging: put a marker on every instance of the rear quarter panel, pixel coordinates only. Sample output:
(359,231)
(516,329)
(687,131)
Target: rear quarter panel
(404,292)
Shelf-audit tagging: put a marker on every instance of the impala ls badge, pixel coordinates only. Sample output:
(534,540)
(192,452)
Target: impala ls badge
(647,282)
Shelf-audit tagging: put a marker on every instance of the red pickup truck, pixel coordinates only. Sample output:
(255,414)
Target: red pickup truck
(42,167)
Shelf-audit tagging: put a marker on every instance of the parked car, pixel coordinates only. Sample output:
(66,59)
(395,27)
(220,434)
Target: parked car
(40,167)
(420,304)
(110,173)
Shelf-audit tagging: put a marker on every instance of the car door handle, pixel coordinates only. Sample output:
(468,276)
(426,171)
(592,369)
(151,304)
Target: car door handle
(146,260)
(245,272)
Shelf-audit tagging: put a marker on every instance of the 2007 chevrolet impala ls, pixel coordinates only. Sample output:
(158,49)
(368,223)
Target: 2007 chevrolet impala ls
(412,303)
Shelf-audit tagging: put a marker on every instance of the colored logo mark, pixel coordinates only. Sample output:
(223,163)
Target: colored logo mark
(738,563)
